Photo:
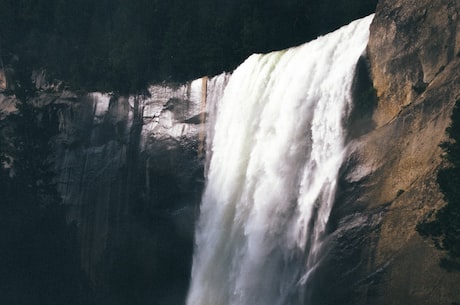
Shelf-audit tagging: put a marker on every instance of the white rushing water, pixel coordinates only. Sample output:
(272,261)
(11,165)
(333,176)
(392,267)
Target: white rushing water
(277,148)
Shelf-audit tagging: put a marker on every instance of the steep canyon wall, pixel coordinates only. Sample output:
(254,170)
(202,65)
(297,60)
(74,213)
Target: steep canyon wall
(130,172)
(389,182)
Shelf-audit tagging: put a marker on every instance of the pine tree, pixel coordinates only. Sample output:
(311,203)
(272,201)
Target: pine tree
(39,253)
(444,229)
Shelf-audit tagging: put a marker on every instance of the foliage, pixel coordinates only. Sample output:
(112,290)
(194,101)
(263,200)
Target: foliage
(122,45)
(444,229)
(39,254)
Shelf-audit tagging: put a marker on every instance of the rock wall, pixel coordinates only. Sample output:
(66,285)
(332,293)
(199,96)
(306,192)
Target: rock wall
(3,84)
(411,44)
(131,174)
(389,182)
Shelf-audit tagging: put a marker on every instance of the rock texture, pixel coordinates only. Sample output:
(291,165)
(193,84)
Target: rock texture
(131,175)
(411,43)
(130,172)
(3,84)
(389,183)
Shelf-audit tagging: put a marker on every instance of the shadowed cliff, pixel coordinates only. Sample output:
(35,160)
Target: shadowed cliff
(132,192)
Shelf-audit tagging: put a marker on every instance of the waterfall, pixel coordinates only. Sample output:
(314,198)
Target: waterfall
(277,148)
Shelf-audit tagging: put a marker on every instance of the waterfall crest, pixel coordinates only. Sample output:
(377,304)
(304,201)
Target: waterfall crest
(277,148)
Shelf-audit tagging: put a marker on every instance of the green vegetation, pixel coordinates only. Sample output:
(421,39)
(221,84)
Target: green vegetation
(444,228)
(121,45)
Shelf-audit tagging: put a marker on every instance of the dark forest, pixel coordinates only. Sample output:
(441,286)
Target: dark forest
(121,45)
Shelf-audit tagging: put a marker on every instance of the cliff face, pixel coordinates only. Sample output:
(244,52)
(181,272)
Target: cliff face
(3,83)
(130,172)
(131,175)
(411,44)
(389,182)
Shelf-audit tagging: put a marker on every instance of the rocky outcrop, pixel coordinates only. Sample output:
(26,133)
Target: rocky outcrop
(411,44)
(6,78)
(3,84)
(130,173)
(397,167)
(389,182)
